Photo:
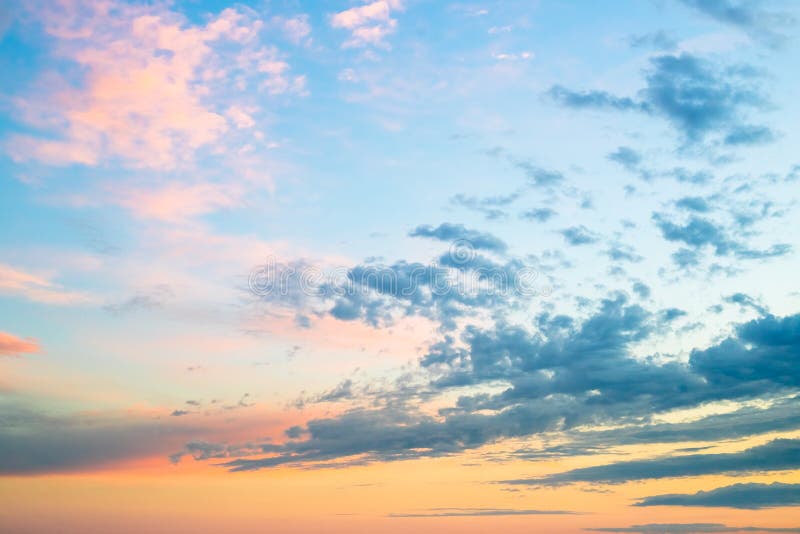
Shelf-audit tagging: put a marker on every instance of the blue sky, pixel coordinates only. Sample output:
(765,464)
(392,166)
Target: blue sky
(293,234)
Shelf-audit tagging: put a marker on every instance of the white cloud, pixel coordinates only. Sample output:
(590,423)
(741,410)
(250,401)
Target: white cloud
(369,24)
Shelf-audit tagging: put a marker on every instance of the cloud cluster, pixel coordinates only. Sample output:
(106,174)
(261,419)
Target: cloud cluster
(567,374)
(699,99)
(145,76)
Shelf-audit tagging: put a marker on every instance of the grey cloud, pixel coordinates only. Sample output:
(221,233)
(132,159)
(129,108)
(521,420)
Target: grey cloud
(777,455)
(594,100)
(579,235)
(688,528)
(748,16)
(699,232)
(568,374)
(695,96)
(32,442)
(538,214)
(490,207)
(746,496)
(457,232)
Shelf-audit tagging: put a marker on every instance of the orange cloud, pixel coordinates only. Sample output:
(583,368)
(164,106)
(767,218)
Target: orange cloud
(11,345)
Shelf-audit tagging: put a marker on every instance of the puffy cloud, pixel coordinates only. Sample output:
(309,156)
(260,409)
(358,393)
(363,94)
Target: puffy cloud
(568,375)
(148,84)
(369,24)
(297,29)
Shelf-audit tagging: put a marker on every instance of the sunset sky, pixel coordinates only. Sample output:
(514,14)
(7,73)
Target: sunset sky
(399,266)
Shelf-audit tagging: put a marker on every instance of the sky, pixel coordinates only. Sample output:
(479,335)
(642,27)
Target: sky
(394,266)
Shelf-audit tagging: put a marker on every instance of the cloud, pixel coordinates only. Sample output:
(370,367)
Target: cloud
(594,100)
(369,24)
(777,455)
(147,78)
(697,97)
(458,232)
(748,16)
(537,176)
(480,512)
(627,157)
(688,528)
(36,287)
(579,235)
(538,214)
(11,345)
(699,232)
(490,207)
(297,29)
(746,301)
(659,40)
(568,374)
(749,135)
(178,202)
(697,204)
(32,442)
(751,496)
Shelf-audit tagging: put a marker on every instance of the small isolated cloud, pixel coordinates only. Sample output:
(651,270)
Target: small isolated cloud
(11,345)
(369,24)
(36,287)
(480,512)
(490,207)
(538,214)
(746,496)
(458,232)
(579,235)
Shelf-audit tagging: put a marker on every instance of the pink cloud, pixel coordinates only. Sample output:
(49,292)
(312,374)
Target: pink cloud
(146,97)
(35,287)
(368,24)
(11,345)
(176,202)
